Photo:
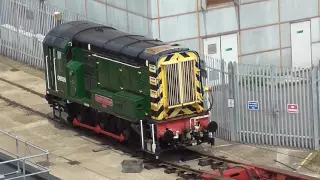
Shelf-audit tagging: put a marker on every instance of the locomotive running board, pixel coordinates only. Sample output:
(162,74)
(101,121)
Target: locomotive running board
(98,130)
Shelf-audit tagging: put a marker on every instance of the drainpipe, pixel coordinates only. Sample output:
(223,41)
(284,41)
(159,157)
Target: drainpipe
(280,35)
(198,16)
(237,6)
(158,7)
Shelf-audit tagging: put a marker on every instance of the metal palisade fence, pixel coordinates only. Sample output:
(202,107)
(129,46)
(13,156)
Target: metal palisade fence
(266,105)
(23,26)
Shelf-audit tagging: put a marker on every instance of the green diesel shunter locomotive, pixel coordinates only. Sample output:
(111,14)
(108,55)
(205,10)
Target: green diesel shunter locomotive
(126,86)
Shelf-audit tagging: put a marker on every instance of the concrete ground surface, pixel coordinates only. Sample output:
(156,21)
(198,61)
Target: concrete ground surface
(65,145)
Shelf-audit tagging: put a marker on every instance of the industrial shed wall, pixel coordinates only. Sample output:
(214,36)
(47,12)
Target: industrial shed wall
(276,32)
(126,15)
(265,35)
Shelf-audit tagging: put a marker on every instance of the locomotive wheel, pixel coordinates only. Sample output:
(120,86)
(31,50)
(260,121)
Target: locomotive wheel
(79,118)
(112,124)
(120,126)
(70,119)
(102,125)
(126,133)
(70,110)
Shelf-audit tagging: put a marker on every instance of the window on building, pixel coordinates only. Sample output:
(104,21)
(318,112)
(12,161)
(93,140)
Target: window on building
(215,2)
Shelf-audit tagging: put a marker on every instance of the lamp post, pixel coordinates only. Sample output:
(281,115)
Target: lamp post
(58,17)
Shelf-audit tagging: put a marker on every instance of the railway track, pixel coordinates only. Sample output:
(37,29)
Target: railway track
(182,170)
(188,165)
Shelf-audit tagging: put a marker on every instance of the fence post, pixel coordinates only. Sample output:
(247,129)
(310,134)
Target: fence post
(231,101)
(314,82)
(274,106)
(236,102)
(2,5)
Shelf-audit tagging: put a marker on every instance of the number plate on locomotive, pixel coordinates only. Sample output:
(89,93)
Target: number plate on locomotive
(104,101)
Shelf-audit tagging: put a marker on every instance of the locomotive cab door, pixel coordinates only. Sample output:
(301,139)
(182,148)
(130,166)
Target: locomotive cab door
(75,79)
(75,76)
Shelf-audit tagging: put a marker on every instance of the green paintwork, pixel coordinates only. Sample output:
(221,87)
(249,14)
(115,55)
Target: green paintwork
(61,76)
(129,105)
(75,83)
(126,87)
(114,76)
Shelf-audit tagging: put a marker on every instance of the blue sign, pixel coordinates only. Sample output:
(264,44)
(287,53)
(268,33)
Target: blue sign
(253,105)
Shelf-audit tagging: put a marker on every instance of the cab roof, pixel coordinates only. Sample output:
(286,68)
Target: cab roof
(135,49)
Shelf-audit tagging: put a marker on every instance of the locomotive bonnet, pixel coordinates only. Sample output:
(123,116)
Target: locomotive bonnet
(126,86)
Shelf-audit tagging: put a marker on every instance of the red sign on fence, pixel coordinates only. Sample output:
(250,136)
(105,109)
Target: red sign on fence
(292,108)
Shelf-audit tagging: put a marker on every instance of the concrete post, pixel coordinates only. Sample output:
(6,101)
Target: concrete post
(315,98)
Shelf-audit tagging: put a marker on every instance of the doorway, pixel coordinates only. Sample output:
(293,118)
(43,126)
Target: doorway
(301,44)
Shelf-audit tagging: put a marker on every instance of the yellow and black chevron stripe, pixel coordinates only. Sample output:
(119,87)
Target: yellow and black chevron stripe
(158,82)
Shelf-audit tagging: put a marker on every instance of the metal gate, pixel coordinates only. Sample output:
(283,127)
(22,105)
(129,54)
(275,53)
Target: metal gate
(217,78)
(265,105)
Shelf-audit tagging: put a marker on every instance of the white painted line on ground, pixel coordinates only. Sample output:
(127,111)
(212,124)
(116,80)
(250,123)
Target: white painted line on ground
(307,159)
(223,145)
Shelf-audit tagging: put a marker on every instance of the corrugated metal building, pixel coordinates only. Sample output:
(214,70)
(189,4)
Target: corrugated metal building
(277,32)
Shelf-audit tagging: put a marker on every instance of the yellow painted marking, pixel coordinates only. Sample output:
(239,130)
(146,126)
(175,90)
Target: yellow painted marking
(165,83)
(157,93)
(187,111)
(195,105)
(153,81)
(174,58)
(160,61)
(160,117)
(174,61)
(154,106)
(199,97)
(152,68)
(160,76)
(160,90)
(198,83)
(175,112)
(196,70)
(153,93)
(198,106)
(193,55)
